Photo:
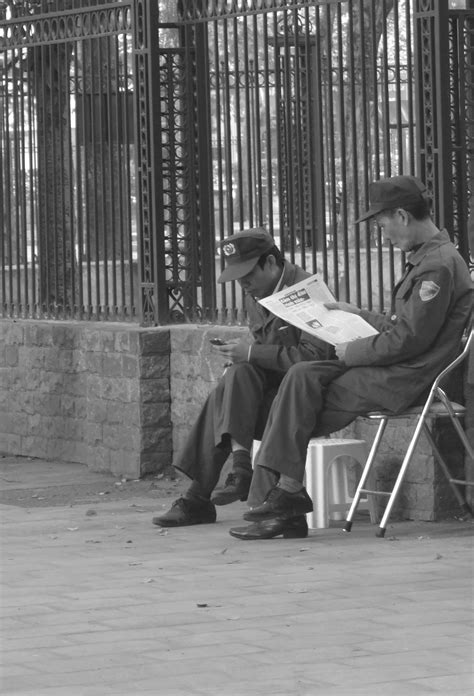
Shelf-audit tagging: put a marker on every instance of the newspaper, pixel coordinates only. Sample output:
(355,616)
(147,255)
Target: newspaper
(302,305)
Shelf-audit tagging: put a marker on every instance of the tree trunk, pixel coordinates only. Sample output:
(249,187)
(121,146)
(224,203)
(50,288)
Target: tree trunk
(50,67)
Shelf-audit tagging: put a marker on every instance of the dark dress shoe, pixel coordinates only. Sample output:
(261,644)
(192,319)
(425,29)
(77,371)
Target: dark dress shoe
(186,511)
(236,487)
(280,503)
(294,528)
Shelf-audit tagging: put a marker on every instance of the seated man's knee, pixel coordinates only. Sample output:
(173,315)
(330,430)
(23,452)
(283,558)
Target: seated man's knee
(237,369)
(297,372)
(313,372)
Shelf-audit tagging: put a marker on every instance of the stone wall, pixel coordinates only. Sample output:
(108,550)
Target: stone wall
(469,424)
(121,398)
(93,393)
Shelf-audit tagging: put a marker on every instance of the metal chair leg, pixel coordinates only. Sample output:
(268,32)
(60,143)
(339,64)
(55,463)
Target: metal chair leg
(403,468)
(365,473)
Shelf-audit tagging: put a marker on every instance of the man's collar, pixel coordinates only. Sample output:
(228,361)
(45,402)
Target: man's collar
(415,255)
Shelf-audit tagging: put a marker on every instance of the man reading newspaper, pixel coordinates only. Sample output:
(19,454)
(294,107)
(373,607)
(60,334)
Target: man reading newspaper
(390,369)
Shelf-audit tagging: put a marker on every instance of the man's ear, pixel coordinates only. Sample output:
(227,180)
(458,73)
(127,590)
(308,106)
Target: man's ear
(271,260)
(404,215)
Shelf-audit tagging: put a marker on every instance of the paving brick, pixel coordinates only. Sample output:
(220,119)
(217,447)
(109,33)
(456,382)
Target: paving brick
(332,615)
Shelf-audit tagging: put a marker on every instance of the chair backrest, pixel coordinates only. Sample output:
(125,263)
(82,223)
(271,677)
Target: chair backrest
(457,361)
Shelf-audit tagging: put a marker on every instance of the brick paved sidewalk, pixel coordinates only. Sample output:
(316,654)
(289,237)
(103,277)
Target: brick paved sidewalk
(95,601)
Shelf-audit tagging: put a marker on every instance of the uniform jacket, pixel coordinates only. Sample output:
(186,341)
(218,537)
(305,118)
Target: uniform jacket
(277,345)
(431,306)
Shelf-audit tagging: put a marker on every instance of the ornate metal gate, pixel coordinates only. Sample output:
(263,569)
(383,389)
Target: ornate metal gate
(136,134)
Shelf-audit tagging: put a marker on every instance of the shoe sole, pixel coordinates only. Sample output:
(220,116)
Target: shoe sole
(290,534)
(223,500)
(252,517)
(181,524)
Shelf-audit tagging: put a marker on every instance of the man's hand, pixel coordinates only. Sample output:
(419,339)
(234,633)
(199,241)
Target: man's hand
(344,306)
(235,352)
(341,350)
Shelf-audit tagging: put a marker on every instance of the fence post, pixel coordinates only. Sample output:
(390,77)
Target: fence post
(153,301)
(432,79)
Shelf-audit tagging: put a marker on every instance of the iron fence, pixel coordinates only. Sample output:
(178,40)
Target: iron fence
(67,122)
(308,103)
(135,135)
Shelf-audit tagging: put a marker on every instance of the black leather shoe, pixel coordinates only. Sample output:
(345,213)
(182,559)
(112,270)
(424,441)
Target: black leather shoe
(293,528)
(185,511)
(236,487)
(280,503)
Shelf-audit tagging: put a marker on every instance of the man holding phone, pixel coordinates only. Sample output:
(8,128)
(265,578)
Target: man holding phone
(236,411)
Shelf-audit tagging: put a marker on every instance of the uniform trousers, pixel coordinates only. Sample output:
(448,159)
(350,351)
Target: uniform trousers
(236,408)
(309,403)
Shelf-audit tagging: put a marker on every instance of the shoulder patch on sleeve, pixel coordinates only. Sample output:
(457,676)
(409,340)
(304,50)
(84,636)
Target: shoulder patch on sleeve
(429,289)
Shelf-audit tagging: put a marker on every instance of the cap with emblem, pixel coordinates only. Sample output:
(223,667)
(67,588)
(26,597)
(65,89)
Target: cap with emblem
(395,192)
(242,251)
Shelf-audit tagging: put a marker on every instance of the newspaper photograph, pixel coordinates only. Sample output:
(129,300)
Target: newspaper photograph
(302,305)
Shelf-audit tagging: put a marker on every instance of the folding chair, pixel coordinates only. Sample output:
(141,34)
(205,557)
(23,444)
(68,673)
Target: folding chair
(438,405)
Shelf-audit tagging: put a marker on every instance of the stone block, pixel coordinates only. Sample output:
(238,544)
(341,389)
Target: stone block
(155,415)
(154,366)
(79,361)
(39,334)
(91,340)
(74,406)
(469,423)
(9,442)
(115,389)
(155,460)
(10,355)
(14,332)
(97,410)
(112,365)
(107,340)
(130,366)
(78,451)
(63,336)
(75,385)
(94,435)
(154,342)
(125,463)
(35,446)
(99,458)
(51,405)
(154,391)
(73,429)
(93,362)
(121,437)
(14,422)
(155,437)
(31,358)
(51,358)
(49,382)
(122,414)
(127,341)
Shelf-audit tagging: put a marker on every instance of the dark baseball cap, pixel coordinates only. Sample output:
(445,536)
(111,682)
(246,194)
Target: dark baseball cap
(242,251)
(394,192)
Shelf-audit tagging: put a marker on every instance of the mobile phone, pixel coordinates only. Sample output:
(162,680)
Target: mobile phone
(217,341)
